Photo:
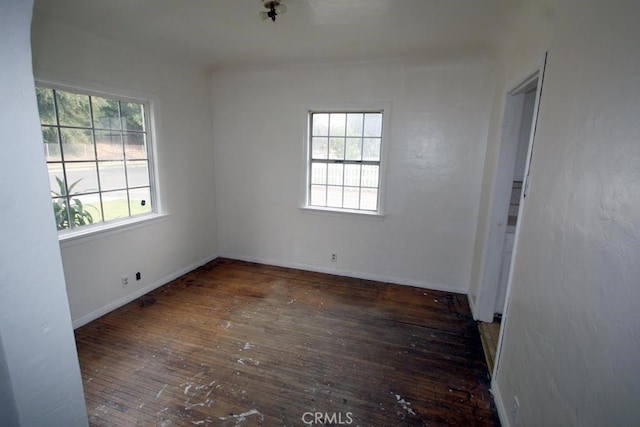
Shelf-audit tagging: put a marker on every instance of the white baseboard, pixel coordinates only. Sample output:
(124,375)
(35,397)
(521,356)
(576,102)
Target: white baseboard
(81,321)
(138,293)
(505,420)
(348,273)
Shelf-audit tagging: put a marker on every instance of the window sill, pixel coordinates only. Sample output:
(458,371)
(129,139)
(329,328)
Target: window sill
(342,212)
(86,234)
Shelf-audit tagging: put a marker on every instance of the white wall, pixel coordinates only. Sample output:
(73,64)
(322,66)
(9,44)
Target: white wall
(439,118)
(40,381)
(185,239)
(529,35)
(571,345)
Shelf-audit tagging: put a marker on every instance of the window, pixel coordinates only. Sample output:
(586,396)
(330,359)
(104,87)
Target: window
(344,160)
(98,157)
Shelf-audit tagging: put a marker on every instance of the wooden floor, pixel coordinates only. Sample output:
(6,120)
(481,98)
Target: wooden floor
(489,336)
(236,343)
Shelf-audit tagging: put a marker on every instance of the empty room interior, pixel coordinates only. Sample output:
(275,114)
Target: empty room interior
(320,212)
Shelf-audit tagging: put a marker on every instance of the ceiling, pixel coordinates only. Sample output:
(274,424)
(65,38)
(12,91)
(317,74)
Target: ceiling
(223,33)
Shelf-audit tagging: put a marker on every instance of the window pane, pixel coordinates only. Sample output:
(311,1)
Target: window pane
(319,173)
(352,197)
(337,123)
(373,124)
(51,143)
(106,113)
(60,212)
(138,173)
(334,197)
(77,144)
(336,148)
(115,205)
(112,176)
(369,199)
(354,124)
(352,175)
(371,149)
(318,195)
(320,124)
(109,145)
(135,146)
(335,174)
(354,149)
(46,107)
(82,177)
(56,179)
(370,175)
(140,201)
(132,116)
(320,148)
(84,210)
(73,109)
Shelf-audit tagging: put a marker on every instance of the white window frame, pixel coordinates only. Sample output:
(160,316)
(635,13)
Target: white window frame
(379,107)
(72,236)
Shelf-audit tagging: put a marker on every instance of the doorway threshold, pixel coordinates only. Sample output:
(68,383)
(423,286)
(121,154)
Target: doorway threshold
(489,334)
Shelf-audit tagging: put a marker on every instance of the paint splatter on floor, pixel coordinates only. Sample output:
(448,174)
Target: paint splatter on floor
(404,404)
(243,416)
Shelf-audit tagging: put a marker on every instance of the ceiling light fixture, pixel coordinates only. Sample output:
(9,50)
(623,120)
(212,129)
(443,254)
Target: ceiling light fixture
(275,8)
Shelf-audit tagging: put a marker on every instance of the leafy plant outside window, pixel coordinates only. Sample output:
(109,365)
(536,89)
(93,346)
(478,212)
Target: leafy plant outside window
(69,212)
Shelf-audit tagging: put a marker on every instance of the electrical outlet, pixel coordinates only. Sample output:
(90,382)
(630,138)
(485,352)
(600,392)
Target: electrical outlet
(515,411)
(125,281)
(334,257)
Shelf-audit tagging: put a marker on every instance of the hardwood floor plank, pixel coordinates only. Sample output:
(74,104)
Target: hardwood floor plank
(236,343)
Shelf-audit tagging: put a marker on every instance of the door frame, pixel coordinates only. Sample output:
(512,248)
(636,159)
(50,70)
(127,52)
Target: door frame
(484,306)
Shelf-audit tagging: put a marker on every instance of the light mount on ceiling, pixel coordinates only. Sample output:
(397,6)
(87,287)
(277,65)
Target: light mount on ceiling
(274,8)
